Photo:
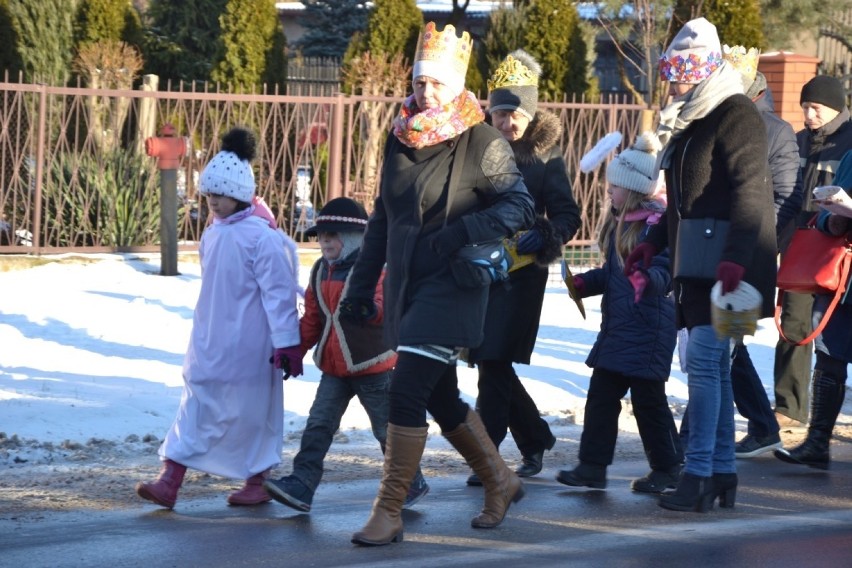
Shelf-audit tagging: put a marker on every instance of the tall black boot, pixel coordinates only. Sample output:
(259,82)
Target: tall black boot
(826,402)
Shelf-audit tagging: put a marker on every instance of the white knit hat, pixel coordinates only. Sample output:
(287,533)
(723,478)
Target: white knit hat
(694,53)
(229,172)
(634,169)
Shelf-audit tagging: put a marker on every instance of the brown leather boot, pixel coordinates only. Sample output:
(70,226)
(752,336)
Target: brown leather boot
(403,450)
(164,490)
(502,485)
(252,492)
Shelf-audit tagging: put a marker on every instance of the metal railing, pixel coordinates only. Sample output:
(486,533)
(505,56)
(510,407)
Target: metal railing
(74,176)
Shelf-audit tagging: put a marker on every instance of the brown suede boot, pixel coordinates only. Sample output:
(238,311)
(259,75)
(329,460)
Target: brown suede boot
(252,492)
(502,485)
(164,490)
(403,450)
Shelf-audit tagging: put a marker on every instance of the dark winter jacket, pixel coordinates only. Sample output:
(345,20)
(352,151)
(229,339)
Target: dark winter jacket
(343,348)
(636,339)
(820,152)
(783,163)
(423,304)
(514,309)
(719,170)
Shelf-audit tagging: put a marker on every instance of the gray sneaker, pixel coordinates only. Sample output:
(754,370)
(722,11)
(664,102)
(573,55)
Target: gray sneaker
(752,446)
(416,491)
(291,492)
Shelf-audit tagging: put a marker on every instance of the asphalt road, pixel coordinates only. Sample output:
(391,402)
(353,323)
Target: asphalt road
(784,516)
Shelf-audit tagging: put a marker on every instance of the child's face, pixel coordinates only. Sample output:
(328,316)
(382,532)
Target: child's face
(617,195)
(330,245)
(222,206)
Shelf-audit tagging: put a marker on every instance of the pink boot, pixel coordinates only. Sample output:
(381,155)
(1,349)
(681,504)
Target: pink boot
(164,490)
(252,492)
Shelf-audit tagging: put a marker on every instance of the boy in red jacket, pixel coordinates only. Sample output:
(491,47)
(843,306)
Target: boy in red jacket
(353,358)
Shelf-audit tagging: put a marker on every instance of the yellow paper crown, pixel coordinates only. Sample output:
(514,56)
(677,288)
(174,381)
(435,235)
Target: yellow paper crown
(444,47)
(744,60)
(512,73)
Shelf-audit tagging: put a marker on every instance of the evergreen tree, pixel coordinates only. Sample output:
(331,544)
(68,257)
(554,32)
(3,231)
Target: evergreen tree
(182,39)
(783,20)
(275,74)
(552,35)
(505,34)
(737,21)
(248,36)
(99,20)
(10,57)
(45,34)
(330,25)
(392,27)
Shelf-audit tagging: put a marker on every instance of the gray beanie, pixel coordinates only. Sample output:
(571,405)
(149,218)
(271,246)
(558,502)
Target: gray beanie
(514,84)
(634,169)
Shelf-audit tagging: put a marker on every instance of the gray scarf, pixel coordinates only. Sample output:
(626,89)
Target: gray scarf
(676,117)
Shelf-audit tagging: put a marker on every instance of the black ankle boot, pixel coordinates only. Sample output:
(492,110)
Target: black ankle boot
(584,475)
(726,488)
(813,452)
(693,493)
(531,465)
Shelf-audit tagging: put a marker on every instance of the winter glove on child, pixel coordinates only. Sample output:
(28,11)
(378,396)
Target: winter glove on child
(449,239)
(530,242)
(644,253)
(729,274)
(639,280)
(289,360)
(357,310)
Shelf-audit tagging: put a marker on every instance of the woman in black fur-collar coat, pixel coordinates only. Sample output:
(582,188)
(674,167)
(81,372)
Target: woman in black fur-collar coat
(514,308)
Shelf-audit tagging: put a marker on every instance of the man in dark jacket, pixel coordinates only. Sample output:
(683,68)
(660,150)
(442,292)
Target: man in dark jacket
(749,394)
(822,143)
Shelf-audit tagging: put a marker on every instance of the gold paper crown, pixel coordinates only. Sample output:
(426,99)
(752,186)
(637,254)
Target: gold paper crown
(512,73)
(444,47)
(744,60)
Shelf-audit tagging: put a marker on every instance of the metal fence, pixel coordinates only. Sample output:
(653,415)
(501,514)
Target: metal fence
(74,175)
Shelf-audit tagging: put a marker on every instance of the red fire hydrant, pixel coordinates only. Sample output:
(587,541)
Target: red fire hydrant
(168,149)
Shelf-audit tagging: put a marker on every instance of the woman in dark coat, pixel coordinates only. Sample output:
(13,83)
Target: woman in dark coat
(448,180)
(716,170)
(833,348)
(514,308)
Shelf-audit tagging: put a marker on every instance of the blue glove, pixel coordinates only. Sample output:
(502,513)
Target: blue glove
(530,242)
(357,310)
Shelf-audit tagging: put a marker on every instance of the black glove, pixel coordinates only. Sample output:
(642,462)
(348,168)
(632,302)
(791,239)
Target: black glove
(357,310)
(449,239)
(530,242)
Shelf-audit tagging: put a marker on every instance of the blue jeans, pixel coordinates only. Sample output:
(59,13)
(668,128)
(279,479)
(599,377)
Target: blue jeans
(750,396)
(331,401)
(710,442)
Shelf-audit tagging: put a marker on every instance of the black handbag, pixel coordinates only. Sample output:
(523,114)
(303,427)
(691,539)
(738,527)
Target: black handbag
(481,264)
(700,243)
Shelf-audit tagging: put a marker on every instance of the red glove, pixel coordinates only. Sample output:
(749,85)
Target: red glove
(729,274)
(639,280)
(579,285)
(289,360)
(643,252)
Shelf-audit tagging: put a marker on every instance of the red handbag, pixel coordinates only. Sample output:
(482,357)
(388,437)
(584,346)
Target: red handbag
(814,263)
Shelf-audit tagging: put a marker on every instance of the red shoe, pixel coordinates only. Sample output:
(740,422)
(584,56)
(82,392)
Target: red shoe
(252,492)
(164,491)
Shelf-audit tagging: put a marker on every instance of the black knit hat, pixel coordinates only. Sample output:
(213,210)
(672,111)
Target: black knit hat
(824,90)
(338,216)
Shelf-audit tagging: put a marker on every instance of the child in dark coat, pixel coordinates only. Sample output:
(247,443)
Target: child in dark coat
(634,348)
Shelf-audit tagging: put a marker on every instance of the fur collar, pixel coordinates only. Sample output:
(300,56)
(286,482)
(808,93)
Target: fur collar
(541,135)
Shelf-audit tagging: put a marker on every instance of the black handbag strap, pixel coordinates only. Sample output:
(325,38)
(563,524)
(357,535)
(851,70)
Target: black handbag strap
(455,172)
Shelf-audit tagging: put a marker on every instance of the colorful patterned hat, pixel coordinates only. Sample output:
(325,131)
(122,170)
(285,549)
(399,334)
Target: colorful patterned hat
(693,55)
(443,56)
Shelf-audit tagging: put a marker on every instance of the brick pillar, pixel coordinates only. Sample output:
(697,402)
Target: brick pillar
(786,73)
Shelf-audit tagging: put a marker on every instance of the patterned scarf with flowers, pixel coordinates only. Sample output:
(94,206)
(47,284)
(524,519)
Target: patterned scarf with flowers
(418,129)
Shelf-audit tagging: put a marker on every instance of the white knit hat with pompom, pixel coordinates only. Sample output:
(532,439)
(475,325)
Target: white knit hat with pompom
(634,168)
(229,172)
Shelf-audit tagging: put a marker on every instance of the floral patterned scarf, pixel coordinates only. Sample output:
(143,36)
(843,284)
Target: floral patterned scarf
(418,129)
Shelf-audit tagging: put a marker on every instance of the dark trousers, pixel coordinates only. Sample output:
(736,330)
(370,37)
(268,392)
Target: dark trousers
(653,417)
(503,403)
(793,362)
(750,397)
(420,384)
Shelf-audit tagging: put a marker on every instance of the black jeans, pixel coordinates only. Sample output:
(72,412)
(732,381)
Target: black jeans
(653,417)
(750,397)
(419,384)
(503,403)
